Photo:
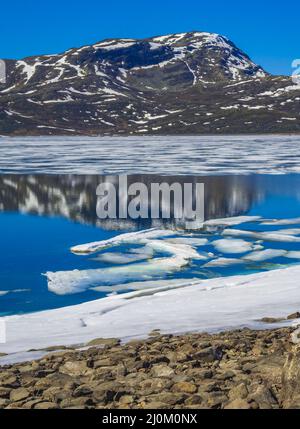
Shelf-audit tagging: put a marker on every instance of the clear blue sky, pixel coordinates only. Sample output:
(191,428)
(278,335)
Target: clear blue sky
(267,30)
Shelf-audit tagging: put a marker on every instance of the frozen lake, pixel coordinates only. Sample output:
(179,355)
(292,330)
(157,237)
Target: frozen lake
(270,154)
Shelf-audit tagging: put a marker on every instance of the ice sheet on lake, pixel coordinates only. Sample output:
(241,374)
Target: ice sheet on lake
(264,154)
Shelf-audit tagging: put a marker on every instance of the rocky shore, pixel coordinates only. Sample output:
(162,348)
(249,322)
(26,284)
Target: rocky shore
(240,369)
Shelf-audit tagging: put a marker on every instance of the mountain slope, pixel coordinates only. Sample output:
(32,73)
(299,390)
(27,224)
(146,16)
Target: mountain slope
(189,83)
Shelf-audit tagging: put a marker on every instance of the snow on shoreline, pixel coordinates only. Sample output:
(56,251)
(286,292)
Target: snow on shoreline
(190,305)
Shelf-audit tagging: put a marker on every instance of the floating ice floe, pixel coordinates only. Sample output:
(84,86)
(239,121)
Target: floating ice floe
(292,221)
(232,245)
(264,255)
(223,262)
(76,281)
(293,254)
(192,241)
(230,221)
(130,237)
(265,236)
(5,292)
(125,258)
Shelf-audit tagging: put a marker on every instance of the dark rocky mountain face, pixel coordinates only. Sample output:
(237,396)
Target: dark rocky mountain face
(189,83)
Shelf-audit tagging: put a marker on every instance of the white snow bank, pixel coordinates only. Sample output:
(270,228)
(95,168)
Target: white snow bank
(209,305)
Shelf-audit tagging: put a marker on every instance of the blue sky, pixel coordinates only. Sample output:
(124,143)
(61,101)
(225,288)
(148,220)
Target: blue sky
(266,31)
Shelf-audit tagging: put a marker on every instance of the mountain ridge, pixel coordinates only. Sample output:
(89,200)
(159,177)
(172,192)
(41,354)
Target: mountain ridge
(184,83)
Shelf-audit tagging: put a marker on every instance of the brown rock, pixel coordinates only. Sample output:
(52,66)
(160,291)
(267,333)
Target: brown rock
(19,394)
(237,404)
(185,387)
(45,406)
(110,342)
(75,368)
(294,316)
(162,371)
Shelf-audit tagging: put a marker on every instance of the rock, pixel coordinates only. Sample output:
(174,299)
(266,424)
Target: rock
(126,399)
(9,381)
(194,400)
(76,402)
(208,354)
(271,319)
(263,397)
(159,359)
(19,394)
(290,394)
(155,406)
(216,399)
(110,342)
(294,316)
(3,403)
(75,368)
(162,371)
(226,375)
(103,363)
(45,406)
(185,387)
(238,392)
(237,404)
(232,370)
(169,398)
(83,390)
(52,393)
(4,392)
(154,333)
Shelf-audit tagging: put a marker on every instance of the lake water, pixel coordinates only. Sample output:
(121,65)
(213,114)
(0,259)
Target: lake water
(42,216)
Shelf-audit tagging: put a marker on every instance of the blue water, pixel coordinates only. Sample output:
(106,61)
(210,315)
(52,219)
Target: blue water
(33,244)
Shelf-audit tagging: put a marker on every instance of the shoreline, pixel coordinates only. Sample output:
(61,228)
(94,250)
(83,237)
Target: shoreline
(240,369)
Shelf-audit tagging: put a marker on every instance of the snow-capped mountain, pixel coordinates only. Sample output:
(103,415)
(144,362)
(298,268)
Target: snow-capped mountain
(189,83)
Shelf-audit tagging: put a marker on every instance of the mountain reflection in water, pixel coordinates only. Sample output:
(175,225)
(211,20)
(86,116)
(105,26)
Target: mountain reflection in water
(74,196)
